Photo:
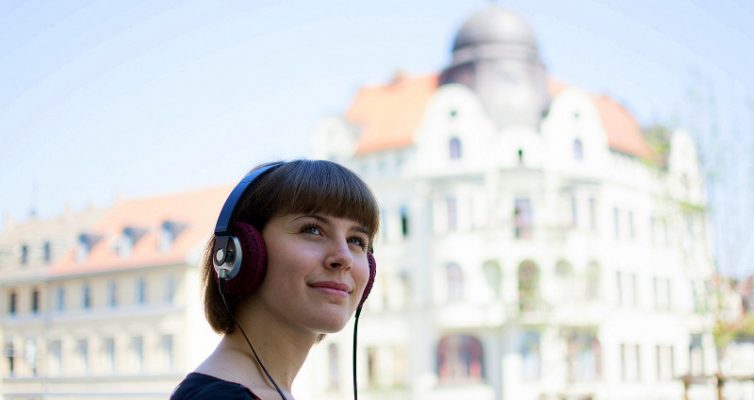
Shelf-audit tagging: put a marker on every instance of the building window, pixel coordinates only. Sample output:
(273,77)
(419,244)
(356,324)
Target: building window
(522,218)
(141,291)
(460,359)
(631,227)
(616,222)
(584,357)
(24,259)
(520,156)
(35,301)
(333,367)
(167,236)
(112,294)
(696,356)
(494,276)
(454,148)
(566,280)
(593,278)
(108,347)
(12,303)
(451,204)
(578,150)
(454,279)
(83,246)
(626,285)
(592,213)
(137,353)
(47,252)
(630,362)
(60,299)
(169,289)
(528,286)
(86,296)
(661,291)
(10,357)
(665,363)
(56,357)
(404,221)
(574,211)
(166,344)
(372,367)
(82,349)
(531,361)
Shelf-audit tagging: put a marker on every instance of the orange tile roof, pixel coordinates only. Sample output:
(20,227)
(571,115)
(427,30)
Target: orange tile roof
(623,131)
(554,87)
(197,211)
(389,115)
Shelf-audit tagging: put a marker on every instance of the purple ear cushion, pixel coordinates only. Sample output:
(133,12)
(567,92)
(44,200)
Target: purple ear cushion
(370,282)
(253,262)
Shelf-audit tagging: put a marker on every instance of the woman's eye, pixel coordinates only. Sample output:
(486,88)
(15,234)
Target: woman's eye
(313,229)
(362,243)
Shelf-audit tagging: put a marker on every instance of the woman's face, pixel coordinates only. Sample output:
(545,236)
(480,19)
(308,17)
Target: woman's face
(317,270)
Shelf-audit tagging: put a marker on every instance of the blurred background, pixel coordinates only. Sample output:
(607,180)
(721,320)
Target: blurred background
(567,190)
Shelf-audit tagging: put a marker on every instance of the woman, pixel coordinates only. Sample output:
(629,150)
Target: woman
(317,220)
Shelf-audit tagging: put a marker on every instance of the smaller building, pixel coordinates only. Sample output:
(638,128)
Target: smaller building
(113,307)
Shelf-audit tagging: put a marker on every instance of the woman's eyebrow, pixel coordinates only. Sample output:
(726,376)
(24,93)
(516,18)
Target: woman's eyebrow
(328,220)
(360,228)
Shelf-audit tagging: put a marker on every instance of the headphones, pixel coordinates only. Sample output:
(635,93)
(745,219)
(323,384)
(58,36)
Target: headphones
(239,254)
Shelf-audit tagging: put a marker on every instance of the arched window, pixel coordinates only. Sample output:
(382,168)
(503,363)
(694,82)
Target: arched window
(578,149)
(460,359)
(494,275)
(584,357)
(528,286)
(454,148)
(454,279)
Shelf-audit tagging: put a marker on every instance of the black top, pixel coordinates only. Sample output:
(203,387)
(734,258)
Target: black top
(198,386)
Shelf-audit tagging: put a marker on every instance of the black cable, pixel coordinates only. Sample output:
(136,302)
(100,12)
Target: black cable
(222,295)
(355,329)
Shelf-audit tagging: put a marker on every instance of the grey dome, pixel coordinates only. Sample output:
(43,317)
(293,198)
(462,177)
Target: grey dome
(494,24)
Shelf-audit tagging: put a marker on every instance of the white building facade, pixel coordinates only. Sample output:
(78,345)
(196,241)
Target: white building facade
(521,257)
(106,304)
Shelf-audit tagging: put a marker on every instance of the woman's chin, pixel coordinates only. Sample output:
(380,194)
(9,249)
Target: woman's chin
(332,323)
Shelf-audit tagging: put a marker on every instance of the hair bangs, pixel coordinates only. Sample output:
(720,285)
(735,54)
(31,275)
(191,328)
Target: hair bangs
(316,186)
(328,188)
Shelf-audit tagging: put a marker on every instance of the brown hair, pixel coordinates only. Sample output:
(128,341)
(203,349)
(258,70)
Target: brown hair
(300,186)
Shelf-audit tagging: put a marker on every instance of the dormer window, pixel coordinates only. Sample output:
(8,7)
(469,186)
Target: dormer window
(128,239)
(84,245)
(47,252)
(578,149)
(169,231)
(454,148)
(24,254)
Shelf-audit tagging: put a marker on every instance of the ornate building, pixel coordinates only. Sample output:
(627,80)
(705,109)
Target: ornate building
(533,245)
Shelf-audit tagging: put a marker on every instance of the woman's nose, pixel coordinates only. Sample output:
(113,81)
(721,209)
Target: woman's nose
(340,256)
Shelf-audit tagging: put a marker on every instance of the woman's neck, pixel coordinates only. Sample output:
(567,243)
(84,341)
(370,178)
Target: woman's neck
(282,348)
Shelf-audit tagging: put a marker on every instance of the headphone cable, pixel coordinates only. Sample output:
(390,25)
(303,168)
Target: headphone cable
(355,330)
(222,295)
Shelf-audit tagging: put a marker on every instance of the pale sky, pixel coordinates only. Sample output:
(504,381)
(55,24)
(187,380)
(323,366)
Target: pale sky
(100,99)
